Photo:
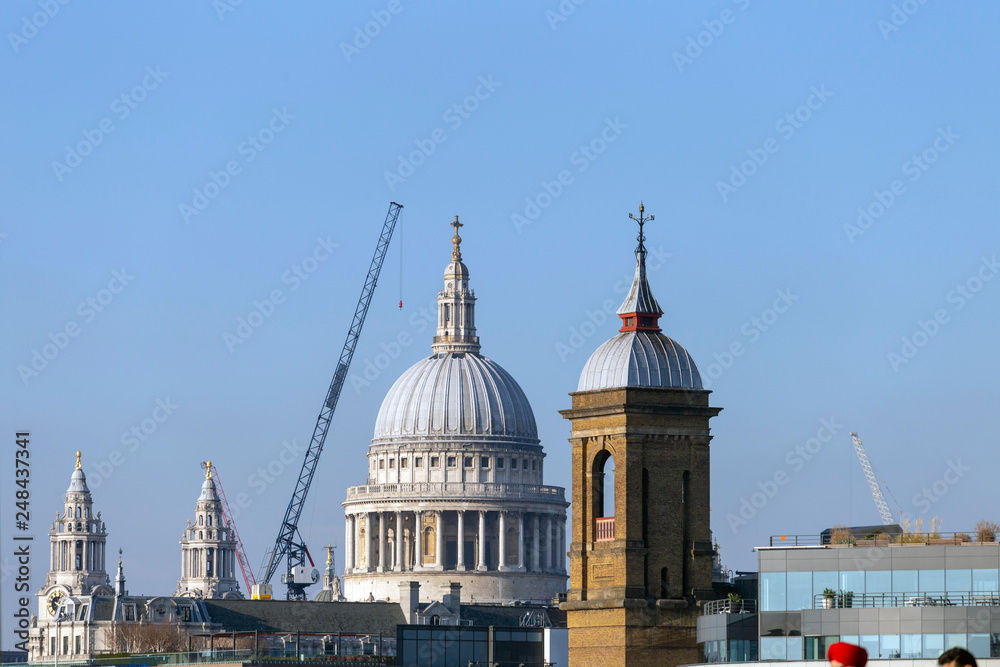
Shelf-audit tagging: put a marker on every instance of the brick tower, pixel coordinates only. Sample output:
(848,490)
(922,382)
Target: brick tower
(637,571)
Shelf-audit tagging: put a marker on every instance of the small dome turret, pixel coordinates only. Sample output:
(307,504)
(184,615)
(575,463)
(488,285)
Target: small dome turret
(640,355)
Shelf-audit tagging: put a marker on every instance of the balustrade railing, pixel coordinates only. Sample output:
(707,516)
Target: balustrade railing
(456,489)
(605,529)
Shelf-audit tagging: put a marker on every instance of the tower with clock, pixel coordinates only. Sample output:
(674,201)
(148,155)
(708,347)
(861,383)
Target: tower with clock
(77,549)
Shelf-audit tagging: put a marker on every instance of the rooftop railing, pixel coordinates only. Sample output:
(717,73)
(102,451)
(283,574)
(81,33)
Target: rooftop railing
(728,606)
(882,539)
(842,600)
(210,657)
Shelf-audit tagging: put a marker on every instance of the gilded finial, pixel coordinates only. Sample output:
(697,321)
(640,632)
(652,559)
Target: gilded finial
(642,219)
(119,555)
(79,466)
(208,470)
(329,554)
(456,252)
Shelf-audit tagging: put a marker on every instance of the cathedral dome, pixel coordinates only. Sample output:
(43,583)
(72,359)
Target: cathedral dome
(455,393)
(640,359)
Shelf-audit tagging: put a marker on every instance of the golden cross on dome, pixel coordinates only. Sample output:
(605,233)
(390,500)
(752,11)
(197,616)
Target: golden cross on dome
(78,465)
(456,253)
(329,554)
(208,470)
(642,219)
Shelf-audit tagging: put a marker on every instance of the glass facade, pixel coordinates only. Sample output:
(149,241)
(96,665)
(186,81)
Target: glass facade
(733,650)
(792,591)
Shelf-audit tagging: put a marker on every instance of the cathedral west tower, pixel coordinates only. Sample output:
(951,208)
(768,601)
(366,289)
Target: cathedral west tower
(208,549)
(638,570)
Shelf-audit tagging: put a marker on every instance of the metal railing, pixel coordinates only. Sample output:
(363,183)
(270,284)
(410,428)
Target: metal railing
(605,529)
(210,657)
(882,539)
(727,606)
(470,490)
(843,600)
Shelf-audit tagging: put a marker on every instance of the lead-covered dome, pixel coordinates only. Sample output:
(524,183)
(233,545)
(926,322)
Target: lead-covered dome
(640,359)
(455,393)
(640,356)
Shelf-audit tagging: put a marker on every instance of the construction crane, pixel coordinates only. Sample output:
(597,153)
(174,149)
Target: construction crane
(230,522)
(289,544)
(866,465)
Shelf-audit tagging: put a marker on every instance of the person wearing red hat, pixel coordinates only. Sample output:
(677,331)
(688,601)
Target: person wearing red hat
(843,654)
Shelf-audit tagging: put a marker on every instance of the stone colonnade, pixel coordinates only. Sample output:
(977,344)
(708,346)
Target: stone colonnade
(516,541)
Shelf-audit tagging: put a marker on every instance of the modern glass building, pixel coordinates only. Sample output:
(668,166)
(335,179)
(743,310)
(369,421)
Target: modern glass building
(899,596)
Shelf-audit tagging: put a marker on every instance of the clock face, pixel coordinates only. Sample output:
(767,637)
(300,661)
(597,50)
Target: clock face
(53,601)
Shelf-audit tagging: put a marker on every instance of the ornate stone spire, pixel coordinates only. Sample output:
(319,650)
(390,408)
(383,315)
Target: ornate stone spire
(78,539)
(120,578)
(640,311)
(456,330)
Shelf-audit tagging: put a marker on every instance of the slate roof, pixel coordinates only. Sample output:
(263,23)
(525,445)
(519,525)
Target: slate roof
(319,617)
(508,615)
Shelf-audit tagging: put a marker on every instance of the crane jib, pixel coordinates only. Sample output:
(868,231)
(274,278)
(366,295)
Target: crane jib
(285,545)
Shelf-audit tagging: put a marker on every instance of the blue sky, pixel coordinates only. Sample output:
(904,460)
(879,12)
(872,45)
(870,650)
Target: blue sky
(753,131)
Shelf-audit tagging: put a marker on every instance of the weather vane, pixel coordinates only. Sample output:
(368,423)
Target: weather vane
(642,219)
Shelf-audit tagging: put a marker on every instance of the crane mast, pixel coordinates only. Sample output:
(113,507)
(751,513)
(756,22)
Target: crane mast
(866,465)
(289,543)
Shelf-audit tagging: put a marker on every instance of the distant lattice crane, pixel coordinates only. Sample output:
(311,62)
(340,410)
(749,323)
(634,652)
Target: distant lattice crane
(289,544)
(227,516)
(866,465)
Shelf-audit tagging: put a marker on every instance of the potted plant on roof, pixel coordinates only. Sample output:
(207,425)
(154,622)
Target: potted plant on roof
(828,597)
(735,603)
(846,599)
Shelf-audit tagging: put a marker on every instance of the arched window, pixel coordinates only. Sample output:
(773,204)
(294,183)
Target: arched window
(201,520)
(77,512)
(603,485)
(79,554)
(209,519)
